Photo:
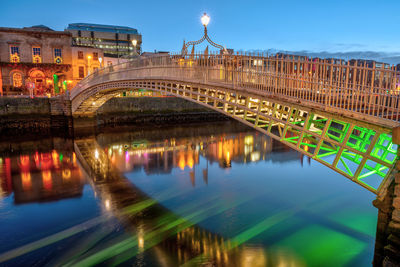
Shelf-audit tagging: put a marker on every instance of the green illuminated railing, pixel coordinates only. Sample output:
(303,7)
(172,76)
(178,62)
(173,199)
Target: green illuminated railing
(361,154)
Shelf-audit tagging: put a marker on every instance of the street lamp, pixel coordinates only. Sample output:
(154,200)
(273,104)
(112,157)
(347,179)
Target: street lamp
(205,20)
(134,43)
(100,60)
(89,58)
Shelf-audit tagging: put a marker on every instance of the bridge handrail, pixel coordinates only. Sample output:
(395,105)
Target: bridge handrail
(363,89)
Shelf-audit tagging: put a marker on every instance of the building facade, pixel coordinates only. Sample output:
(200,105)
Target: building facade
(115,41)
(85,60)
(35,60)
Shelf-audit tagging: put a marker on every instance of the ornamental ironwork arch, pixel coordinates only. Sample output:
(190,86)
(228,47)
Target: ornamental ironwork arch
(205,19)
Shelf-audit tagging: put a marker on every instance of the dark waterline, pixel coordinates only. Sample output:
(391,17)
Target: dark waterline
(211,194)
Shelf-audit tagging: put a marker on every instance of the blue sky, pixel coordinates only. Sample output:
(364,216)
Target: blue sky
(312,25)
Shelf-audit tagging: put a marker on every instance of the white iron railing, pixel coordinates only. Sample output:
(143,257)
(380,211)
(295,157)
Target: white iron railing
(342,86)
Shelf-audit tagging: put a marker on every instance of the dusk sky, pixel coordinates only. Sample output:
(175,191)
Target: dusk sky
(313,25)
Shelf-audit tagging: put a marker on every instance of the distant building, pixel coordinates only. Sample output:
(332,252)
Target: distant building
(109,61)
(154,54)
(115,41)
(35,60)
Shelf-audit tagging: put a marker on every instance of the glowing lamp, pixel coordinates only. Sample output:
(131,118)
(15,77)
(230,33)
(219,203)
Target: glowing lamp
(205,19)
(134,42)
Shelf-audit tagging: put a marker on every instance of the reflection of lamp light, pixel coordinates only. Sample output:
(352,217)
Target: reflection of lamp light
(141,242)
(46,180)
(66,174)
(26,181)
(107,204)
(205,19)
(140,235)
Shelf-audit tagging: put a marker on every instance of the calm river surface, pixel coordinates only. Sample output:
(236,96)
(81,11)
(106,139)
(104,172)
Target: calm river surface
(203,195)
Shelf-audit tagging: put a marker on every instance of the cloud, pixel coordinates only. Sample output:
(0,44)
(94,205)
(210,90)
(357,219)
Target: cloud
(386,57)
(343,46)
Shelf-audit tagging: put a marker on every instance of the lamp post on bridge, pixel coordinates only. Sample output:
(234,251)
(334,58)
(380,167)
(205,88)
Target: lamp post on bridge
(205,19)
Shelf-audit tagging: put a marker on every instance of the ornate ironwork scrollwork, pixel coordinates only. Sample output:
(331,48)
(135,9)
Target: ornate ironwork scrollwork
(205,37)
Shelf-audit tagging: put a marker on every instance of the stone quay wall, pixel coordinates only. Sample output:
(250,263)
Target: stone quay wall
(20,115)
(149,110)
(120,105)
(24,114)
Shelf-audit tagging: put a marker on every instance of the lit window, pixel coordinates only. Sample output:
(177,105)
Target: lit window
(14,54)
(14,50)
(17,79)
(57,56)
(36,51)
(36,55)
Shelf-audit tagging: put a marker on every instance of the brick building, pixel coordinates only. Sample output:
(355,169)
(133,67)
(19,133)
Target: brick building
(35,59)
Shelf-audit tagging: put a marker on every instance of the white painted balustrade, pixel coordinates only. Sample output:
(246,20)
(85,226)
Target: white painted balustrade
(347,87)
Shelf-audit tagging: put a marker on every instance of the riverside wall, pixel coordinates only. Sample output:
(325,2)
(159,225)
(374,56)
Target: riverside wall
(153,110)
(30,115)
(20,115)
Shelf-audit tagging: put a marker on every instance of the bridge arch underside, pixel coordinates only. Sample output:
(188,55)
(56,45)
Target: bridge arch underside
(362,152)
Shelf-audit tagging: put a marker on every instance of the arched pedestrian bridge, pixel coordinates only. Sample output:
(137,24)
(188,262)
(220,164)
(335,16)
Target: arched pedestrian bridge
(341,115)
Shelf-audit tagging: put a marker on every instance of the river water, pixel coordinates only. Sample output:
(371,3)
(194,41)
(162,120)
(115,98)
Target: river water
(216,194)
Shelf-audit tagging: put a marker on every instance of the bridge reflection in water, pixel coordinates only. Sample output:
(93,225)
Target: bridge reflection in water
(185,234)
(156,227)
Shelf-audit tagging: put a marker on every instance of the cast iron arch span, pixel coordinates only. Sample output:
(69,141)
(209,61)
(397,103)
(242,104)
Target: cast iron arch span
(362,152)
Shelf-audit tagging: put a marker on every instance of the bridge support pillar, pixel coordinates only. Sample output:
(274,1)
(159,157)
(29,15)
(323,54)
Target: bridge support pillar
(396,135)
(387,244)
